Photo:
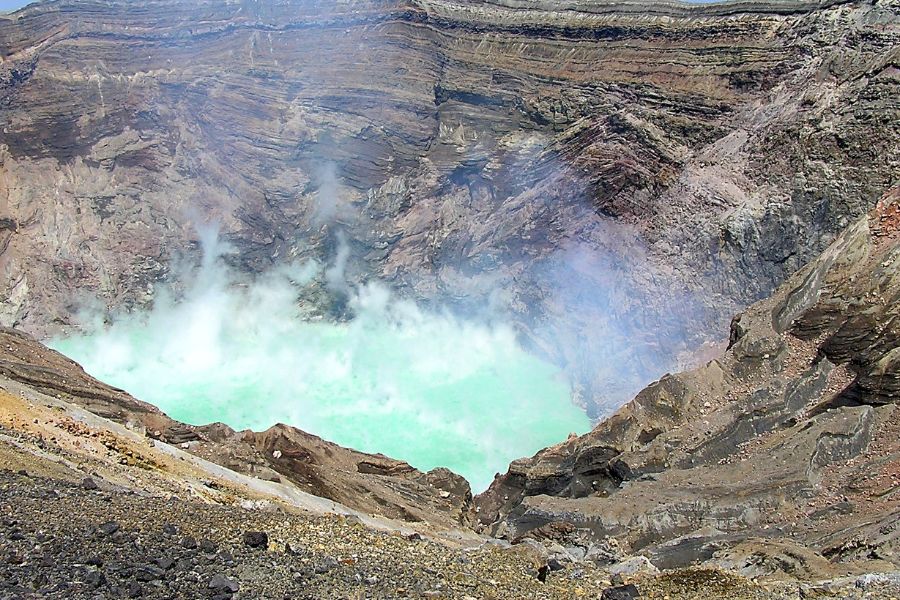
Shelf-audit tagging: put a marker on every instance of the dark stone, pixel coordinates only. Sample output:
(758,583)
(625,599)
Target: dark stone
(542,573)
(89,484)
(95,579)
(149,573)
(326,564)
(684,552)
(23,472)
(208,546)
(622,592)
(135,590)
(94,561)
(165,563)
(256,539)
(555,565)
(220,583)
(414,537)
(188,542)
(839,508)
(16,536)
(114,567)
(169,529)
(108,528)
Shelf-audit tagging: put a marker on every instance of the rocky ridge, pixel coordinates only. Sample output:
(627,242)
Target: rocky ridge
(779,459)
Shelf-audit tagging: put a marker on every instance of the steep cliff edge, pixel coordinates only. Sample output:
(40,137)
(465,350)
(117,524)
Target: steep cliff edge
(777,456)
(618,178)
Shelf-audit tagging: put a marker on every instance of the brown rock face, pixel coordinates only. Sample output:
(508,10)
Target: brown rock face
(626,175)
(790,440)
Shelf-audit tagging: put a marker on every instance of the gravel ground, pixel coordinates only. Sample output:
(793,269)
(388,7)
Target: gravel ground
(64,539)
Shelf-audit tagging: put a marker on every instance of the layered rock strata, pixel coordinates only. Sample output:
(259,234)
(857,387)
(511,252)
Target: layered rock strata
(780,456)
(617,178)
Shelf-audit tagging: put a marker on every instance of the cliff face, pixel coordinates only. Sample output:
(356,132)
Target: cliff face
(627,175)
(777,456)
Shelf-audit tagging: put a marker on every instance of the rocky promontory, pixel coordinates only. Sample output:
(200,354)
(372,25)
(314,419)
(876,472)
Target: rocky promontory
(782,458)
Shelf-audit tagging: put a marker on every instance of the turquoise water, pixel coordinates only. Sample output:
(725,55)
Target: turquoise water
(425,387)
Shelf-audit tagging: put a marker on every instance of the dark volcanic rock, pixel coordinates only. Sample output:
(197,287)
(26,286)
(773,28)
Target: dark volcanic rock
(256,539)
(149,573)
(108,528)
(221,583)
(94,561)
(95,579)
(622,592)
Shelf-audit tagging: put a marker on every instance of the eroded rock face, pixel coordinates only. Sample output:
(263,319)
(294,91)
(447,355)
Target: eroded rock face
(790,438)
(626,176)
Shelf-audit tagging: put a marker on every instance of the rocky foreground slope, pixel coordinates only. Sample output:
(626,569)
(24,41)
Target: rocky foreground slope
(780,458)
(574,166)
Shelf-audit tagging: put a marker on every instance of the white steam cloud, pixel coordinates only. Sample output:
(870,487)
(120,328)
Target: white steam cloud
(418,385)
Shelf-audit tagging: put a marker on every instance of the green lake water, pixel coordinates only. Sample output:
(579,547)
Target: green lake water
(430,389)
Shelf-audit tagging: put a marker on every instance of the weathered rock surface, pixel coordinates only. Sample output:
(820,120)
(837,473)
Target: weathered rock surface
(627,174)
(780,458)
(51,548)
